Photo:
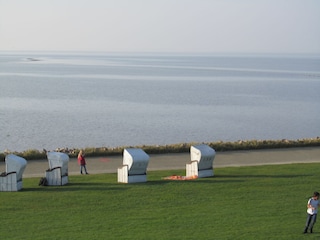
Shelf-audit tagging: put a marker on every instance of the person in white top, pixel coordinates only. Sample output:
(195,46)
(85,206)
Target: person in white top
(312,210)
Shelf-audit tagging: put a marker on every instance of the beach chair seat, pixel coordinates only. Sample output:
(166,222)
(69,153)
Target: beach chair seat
(134,168)
(202,157)
(57,174)
(11,179)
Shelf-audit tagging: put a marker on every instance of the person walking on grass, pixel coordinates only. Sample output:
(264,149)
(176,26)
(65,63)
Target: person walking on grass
(312,210)
(82,162)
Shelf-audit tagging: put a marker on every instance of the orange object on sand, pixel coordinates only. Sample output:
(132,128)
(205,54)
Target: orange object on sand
(181,178)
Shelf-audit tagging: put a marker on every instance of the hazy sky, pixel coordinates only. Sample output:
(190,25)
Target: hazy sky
(232,26)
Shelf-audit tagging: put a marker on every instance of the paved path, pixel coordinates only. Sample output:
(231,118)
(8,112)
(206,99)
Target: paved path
(110,164)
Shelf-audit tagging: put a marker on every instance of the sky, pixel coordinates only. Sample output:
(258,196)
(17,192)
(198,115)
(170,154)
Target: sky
(211,26)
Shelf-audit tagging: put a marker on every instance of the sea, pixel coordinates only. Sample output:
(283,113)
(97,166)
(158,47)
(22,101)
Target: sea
(52,100)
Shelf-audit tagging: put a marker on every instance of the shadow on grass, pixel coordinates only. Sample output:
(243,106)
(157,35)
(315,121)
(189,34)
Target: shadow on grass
(74,186)
(211,180)
(150,182)
(261,176)
(111,186)
(216,181)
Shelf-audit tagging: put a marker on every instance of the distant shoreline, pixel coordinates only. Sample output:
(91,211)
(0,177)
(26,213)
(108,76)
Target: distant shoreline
(219,146)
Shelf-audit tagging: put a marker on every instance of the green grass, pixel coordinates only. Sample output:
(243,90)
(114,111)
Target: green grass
(261,202)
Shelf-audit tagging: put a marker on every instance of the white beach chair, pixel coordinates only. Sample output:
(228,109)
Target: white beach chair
(57,174)
(202,157)
(11,179)
(134,168)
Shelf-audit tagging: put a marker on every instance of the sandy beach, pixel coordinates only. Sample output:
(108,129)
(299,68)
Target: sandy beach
(110,164)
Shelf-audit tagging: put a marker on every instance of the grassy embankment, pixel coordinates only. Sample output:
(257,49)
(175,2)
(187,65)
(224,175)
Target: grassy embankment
(176,148)
(261,202)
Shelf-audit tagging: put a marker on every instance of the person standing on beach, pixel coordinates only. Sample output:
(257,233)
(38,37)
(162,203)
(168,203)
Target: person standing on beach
(82,162)
(312,210)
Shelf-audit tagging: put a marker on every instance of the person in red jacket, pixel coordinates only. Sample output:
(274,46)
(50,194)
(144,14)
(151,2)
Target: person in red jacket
(82,162)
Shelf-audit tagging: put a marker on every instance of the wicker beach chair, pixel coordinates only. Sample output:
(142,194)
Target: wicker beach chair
(57,174)
(202,157)
(11,179)
(134,168)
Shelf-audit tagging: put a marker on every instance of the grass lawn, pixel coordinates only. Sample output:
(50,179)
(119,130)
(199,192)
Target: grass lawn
(261,202)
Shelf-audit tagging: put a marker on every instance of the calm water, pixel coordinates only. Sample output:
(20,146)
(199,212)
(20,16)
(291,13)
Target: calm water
(94,100)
